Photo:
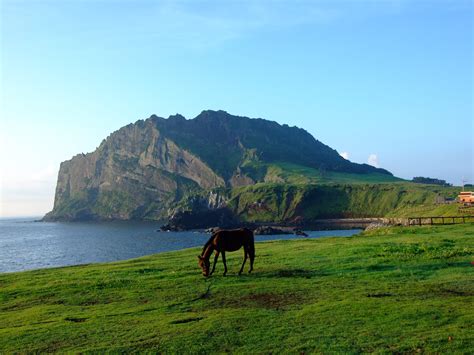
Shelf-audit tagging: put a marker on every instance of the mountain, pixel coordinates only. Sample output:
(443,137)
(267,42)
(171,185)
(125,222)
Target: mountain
(147,169)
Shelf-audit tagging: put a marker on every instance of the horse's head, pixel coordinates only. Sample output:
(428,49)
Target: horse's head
(204,265)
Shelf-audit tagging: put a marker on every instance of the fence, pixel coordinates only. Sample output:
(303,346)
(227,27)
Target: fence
(418,221)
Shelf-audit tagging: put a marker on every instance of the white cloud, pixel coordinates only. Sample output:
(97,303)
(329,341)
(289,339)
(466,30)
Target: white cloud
(373,160)
(345,155)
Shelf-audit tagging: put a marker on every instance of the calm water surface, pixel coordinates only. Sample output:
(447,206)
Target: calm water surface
(25,244)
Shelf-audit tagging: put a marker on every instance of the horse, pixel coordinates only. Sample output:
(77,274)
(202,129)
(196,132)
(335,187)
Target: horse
(227,240)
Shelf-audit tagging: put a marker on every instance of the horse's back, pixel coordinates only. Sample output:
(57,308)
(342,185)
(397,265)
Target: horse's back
(233,239)
(243,234)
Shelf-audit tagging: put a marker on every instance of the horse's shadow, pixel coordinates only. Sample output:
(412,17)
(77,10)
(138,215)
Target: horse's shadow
(291,273)
(282,273)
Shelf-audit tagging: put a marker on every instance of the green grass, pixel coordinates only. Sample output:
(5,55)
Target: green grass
(390,290)
(429,210)
(280,202)
(298,174)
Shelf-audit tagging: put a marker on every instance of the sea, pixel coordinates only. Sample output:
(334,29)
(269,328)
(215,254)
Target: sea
(26,244)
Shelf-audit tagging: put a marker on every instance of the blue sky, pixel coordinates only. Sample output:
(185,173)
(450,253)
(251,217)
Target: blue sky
(390,80)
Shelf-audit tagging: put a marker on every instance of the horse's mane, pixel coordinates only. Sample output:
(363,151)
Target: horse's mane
(208,243)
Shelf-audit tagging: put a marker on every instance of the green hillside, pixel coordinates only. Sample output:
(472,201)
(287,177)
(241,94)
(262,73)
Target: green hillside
(398,290)
(428,210)
(298,174)
(226,142)
(284,202)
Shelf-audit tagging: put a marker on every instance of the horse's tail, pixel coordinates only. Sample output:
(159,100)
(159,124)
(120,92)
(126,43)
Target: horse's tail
(251,239)
(249,232)
(250,247)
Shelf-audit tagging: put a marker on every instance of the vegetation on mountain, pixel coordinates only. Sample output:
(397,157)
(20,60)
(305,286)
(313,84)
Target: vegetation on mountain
(262,172)
(226,142)
(305,203)
(432,181)
(428,210)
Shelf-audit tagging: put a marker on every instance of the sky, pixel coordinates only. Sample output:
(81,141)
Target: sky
(387,82)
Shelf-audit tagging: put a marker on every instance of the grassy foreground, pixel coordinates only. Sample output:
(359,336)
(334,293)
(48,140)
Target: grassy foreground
(391,290)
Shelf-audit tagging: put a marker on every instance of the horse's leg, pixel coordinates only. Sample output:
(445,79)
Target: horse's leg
(215,262)
(245,259)
(225,265)
(252,256)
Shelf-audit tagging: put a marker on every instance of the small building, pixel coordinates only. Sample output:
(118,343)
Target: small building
(466,197)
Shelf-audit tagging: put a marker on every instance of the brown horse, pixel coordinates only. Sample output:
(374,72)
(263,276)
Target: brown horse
(227,240)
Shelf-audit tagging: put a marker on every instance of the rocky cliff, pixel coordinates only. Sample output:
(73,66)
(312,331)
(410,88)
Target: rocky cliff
(134,173)
(144,170)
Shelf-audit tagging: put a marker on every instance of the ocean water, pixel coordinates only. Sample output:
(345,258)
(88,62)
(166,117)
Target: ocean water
(26,244)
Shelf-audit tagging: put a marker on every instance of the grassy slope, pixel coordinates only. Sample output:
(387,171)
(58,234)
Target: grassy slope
(277,202)
(292,190)
(391,290)
(297,174)
(428,210)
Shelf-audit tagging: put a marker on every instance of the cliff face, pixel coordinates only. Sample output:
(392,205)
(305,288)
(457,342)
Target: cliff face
(144,169)
(135,173)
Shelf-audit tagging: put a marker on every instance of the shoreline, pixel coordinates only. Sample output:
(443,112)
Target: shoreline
(314,225)
(152,243)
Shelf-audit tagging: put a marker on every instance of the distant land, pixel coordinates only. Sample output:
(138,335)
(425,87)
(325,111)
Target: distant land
(221,169)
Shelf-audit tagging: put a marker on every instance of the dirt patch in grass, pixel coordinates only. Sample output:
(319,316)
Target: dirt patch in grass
(456,292)
(380,267)
(295,273)
(302,273)
(186,320)
(91,302)
(148,270)
(75,319)
(265,300)
(452,289)
(379,295)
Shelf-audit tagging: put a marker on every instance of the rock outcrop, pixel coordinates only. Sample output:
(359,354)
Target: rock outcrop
(269,230)
(134,173)
(202,219)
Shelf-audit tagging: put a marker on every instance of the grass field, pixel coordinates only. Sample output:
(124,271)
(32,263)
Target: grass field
(390,290)
(429,210)
(282,202)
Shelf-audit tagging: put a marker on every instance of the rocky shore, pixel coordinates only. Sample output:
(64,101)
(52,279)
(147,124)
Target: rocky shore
(225,220)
